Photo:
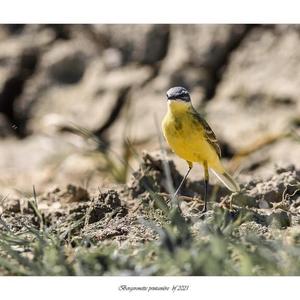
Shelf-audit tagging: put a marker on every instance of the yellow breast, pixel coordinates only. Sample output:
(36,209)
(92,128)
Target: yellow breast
(185,135)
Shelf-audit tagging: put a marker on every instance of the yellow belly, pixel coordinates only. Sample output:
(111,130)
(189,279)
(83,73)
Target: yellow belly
(186,138)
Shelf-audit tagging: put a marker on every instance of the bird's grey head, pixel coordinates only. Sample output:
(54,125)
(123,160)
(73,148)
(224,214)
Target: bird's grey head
(178,93)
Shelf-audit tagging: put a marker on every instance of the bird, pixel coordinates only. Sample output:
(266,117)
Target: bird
(192,139)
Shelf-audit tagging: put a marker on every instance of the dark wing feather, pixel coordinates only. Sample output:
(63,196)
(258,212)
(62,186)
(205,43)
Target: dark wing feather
(209,134)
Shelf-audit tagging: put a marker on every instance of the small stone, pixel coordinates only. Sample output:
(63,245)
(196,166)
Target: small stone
(244,200)
(280,218)
(12,205)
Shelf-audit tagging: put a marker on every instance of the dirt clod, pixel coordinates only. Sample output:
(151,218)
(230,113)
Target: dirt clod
(11,205)
(73,194)
(106,203)
(151,175)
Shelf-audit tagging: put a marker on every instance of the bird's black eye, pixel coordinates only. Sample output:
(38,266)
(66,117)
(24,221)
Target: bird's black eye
(185,96)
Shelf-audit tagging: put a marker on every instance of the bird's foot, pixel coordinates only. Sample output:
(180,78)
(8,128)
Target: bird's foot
(203,212)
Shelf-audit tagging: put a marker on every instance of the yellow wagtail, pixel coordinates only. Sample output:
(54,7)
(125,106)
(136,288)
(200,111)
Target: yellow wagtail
(192,139)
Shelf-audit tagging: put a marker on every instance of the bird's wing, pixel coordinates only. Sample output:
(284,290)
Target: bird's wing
(208,132)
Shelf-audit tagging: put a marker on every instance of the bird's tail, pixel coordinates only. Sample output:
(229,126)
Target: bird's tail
(227,180)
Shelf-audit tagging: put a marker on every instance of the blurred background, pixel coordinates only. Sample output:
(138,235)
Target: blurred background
(79,103)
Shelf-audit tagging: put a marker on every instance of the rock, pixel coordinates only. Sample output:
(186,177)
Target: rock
(90,103)
(144,44)
(57,84)
(243,200)
(246,95)
(277,191)
(277,188)
(196,52)
(279,218)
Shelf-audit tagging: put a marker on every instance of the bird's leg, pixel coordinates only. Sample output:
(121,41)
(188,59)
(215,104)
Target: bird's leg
(183,180)
(206,179)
